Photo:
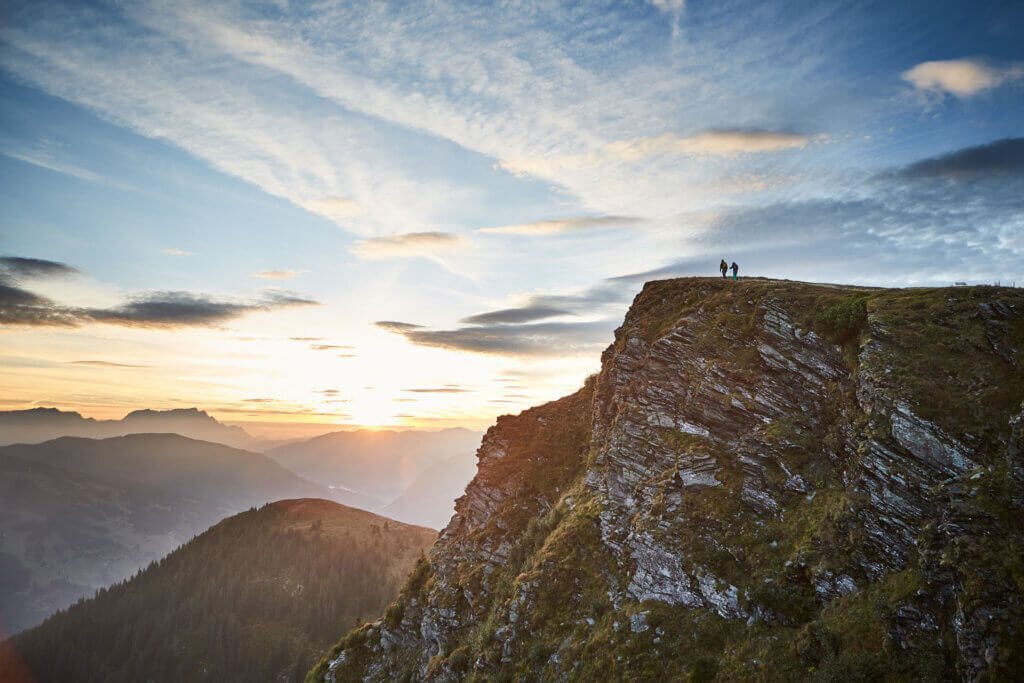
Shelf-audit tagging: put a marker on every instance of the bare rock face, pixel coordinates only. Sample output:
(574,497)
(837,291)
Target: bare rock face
(766,480)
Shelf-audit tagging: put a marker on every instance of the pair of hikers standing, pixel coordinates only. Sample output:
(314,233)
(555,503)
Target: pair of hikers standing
(726,268)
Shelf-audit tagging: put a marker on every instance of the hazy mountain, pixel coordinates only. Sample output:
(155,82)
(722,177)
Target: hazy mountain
(77,514)
(767,480)
(379,465)
(43,424)
(255,598)
(430,499)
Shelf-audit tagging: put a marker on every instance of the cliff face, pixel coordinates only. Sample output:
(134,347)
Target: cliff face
(766,479)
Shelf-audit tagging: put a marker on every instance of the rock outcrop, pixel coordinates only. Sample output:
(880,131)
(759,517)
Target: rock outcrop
(767,480)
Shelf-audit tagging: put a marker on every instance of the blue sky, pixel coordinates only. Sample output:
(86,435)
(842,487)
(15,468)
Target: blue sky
(223,177)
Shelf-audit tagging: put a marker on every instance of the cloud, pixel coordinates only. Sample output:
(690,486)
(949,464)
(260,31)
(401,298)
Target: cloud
(670,6)
(44,161)
(184,309)
(305,339)
(396,327)
(408,245)
(21,307)
(281,274)
(523,314)
(713,143)
(337,209)
(563,225)
(107,364)
(447,389)
(961,77)
(998,158)
(329,347)
(335,106)
(20,266)
(155,309)
(535,339)
(171,251)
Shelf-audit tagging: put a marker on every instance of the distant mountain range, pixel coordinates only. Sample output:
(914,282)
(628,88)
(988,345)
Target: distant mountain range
(416,474)
(79,514)
(255,598)
(43,424)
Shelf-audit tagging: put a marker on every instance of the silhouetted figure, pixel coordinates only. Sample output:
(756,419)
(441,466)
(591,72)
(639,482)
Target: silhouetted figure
(724,267)
(735,269)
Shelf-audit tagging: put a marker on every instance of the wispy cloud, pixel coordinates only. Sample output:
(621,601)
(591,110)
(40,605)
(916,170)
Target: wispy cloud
(279,274)
(106,364)
(447,389)
(535,339)
(564,225)
(397,327)
(522,314)
(408,245)
(173,251)
(714,143)
(57,166)
(961,77)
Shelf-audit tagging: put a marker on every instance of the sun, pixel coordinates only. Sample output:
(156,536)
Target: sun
(374,411)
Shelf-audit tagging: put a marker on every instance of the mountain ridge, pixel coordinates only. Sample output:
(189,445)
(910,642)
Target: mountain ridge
(77,514)
(37,425)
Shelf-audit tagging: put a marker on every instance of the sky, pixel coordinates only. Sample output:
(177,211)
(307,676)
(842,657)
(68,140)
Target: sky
(428,214)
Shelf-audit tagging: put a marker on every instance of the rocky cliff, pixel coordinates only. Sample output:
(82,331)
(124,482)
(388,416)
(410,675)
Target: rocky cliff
(767,480)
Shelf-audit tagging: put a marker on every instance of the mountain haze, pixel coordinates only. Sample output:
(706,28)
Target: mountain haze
(44,424)
(430,498)
(255,598)
(79,514)
(767,480)
(376,467)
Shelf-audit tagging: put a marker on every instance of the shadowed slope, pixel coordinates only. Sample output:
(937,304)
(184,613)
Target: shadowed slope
(256,597)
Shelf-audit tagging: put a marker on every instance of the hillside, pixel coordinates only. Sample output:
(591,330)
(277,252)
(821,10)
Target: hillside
(371,469)
(78,514)
(44,424)
(255,598)
(768,480)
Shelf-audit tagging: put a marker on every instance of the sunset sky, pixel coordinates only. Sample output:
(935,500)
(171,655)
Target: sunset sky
(430,214)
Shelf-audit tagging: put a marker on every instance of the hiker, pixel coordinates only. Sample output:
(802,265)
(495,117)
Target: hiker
(724,267)
(735,269)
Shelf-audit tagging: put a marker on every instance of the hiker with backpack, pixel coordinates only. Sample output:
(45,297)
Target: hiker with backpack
(735,269)
(724,267)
